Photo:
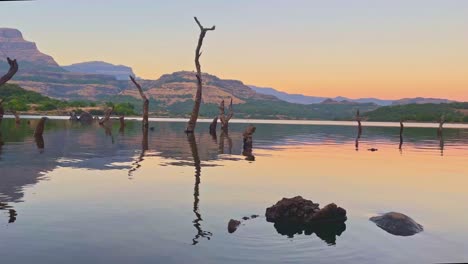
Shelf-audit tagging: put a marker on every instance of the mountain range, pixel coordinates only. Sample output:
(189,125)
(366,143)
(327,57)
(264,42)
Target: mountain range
(305,99)
(98,80)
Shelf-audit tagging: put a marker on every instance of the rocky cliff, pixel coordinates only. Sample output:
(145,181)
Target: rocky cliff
(13,45)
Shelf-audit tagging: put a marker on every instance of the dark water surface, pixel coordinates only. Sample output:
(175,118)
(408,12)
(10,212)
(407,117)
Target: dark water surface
(87,195)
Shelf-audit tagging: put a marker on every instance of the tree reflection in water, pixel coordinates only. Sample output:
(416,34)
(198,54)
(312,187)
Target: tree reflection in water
(144,148)
(196,192)
(11,212)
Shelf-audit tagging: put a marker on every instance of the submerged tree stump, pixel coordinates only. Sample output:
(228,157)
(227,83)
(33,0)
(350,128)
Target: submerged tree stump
(225,118)
(213,126)
(198,96)
(40,127)
(107,115)
(248,142)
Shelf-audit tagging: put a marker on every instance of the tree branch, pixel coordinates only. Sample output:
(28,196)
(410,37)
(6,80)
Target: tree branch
(11,72)
(198,96)
(145,102)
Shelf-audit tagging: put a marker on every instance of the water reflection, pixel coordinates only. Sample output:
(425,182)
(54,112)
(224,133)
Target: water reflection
(144,148)
(196,192)
(327,231)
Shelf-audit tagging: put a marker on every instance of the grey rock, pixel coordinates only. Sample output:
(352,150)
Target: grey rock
(397,224)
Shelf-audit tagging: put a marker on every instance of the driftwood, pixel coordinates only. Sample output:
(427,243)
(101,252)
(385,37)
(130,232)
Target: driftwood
(248,143)
(196,192)
(145,102)
(213,125)
(198,97)
(107,115)
(11,72)
(223,118)
(40,127)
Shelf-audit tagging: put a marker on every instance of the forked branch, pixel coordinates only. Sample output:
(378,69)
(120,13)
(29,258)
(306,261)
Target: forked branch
(11,72)
(198,96)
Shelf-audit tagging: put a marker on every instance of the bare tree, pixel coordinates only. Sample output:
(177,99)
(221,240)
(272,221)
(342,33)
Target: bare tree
(145,102)
(107,115)
(198,97)
(225,119)
(11,72)
(4,79)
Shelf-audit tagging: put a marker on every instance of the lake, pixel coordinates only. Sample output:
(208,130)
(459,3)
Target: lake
(90,195)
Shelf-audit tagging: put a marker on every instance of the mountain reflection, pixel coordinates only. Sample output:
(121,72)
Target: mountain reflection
(72,144)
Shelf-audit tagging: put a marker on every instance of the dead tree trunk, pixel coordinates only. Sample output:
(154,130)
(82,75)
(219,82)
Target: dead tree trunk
(225,119)
(441,124)
(145,102)
(11,72)
(401,134)
(248,143)
(198,97)
(40,127)
(122,124)
(2,111)
(106,115)
(4,79)
(213,125)
(358,119)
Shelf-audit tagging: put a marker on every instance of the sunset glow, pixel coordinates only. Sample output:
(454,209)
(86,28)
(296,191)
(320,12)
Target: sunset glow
(390,49)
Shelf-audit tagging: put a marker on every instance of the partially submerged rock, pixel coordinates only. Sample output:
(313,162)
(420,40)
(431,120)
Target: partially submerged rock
(233,225)
(300,210)
(397,224)
(297,215)
(86,117)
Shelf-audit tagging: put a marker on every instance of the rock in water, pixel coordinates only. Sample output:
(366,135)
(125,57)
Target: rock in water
(297,215)
(233,225)
(300,210)
(86,117)
(397,224)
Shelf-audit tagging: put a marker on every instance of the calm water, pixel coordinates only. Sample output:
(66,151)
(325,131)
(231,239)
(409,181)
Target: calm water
(96,196)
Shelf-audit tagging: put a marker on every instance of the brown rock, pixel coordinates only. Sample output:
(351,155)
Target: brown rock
(233,225)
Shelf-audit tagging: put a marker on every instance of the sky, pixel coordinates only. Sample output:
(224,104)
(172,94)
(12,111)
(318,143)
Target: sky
(387,49)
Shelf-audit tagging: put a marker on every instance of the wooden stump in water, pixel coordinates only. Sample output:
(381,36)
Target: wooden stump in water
(40,127)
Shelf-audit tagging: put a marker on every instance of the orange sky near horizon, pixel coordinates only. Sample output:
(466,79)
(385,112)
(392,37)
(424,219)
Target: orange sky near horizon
(389,49)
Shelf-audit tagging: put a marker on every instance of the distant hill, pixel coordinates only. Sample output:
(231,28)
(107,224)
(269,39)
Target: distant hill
(453,112)
(421,100)
(120,72)
(306,99)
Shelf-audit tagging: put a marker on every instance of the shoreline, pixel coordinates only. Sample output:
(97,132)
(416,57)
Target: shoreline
(275,121)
